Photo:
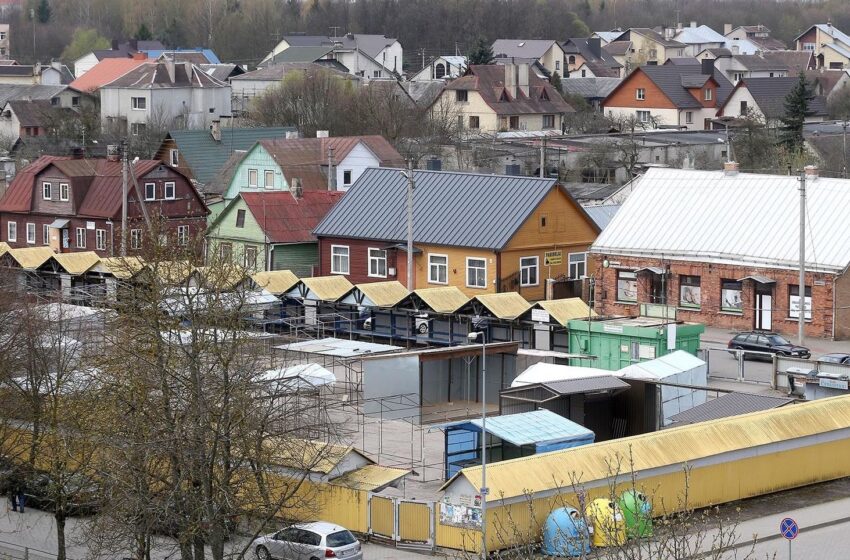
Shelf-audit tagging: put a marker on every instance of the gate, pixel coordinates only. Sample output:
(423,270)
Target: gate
(382,520)
(405,523)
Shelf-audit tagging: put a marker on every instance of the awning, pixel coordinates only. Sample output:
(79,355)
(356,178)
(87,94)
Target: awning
(652,269)
(759,279)
(403,247)
(59,223)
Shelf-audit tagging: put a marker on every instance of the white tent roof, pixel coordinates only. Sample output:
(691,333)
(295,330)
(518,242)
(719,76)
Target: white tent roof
(542,373)
(660,368)
(747,219)
(302,376)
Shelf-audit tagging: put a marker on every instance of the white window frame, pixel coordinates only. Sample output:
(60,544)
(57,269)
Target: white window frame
(256,174)
(31,233)
(523,267)
(174,157)
(570,264)
(346,256)
(80,236)
(350,177)
(377,261)
(182,235)
(173,186)
(100,239)
(146,191)
(266,183)
(431,278)
(708,94)
(689,117)
(139,103)
(11,231)
(247,263)
(46,191)
(640,114)
(549,117)
(136,128)
(45,234)
(640,94)
(483,260)
(64,192)
(135,239)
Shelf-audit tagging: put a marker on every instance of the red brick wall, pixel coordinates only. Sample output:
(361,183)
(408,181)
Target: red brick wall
(711,275)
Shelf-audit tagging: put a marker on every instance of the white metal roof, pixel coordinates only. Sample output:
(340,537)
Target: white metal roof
(746,219)
(543,372)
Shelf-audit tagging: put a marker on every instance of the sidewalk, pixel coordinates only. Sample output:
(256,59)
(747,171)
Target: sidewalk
(818,346)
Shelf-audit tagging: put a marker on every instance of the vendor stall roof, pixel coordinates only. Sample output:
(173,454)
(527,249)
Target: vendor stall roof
(542,372)
(277,282)
(339,347)
(322,288)
(663,366)
(730,404)
(447,299)
(371,477)
(505,305)
(530,428)
(563,310)
(598,384)
(376,294)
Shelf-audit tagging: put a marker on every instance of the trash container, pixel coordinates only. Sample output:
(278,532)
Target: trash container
(637,511)
(798,378)
(609,528)
(565,534)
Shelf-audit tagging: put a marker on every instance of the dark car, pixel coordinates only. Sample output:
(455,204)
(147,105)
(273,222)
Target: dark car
(837,358)
(79,493)
(769,342)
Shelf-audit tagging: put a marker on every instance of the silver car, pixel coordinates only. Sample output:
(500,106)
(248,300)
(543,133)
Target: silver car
(308,541)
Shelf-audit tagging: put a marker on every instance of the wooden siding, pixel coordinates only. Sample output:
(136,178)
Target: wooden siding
(256,158)
(300,258)
(626,96)
(456,268)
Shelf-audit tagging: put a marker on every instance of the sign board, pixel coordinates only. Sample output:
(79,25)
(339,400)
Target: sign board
(646,352)
(616,329)
(794,307)
(789,529)
(832,383)
(671,336)
(553,258)
(461,511)
(89,225)
(540,315)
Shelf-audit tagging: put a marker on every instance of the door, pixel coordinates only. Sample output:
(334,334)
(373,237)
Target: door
(764,311)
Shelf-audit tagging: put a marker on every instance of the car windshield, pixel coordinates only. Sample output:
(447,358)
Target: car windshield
(340,538)
(777,340)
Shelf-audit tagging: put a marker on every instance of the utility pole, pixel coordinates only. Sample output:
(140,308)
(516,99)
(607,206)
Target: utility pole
(125,187)
(801,320)
(410,186)
(543,158)
(422,53)
(844,152)
(331,173)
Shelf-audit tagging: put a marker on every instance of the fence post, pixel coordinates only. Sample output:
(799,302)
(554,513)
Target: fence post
(740,356)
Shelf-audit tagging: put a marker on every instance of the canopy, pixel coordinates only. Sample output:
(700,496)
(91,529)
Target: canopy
(302,376)
(542,372)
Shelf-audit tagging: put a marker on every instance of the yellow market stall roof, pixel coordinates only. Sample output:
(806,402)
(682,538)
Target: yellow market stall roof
(221,278)
(122,268)
(383,294)
(328,288)
(507,305)
(276,282)
(77,263)
(371,478)
(675,446)
(446,299)
(172,272)
(563,310)
(309,455)
(31,257)
(4,248)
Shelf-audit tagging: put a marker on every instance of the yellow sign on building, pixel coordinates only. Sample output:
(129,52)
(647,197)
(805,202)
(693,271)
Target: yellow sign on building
(553,258)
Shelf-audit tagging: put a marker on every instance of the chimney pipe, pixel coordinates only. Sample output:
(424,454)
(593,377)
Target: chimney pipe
(510,79)
(693,24)
(331,172)
(811,172)
(727,28)
(522,78)
(297,189)
(730,168)
(707,67)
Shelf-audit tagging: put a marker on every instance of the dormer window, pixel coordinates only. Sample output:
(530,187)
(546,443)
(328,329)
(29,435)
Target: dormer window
(544,96)
(504,96)
(709,94)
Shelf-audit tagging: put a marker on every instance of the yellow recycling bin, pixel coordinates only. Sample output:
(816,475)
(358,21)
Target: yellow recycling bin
(609,526)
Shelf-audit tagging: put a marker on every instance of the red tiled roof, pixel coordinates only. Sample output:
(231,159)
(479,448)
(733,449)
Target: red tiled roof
(105,71)
(103,199)
(489,81)
(18,197)
(285,219)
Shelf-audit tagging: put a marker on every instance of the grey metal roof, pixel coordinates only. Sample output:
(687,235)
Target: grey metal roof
(590,88)
(769,94)
(449,208)
(669,78)
(590,191)
(602,215)
(302,54)
(586,385)
(730,404)
(9,92)
(522,48)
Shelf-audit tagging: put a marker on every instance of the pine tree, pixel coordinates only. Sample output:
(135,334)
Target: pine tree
(556,82)
(143,33)
(797,108)
(43,12)
(482,52)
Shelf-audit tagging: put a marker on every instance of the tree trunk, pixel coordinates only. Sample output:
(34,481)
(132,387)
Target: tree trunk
(60,536)
(199,547)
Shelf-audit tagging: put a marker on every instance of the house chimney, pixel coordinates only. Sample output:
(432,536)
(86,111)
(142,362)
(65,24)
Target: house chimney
(113,153)
(522,77)
(707,65)
(78,153)
(510,79)
(730,168)
(811,172)
(669,32)
(331,169)
(297,189)
(140,56)
(594,45)
(727,28)
(693,24)
(215,130)
(290,134)
(322,134)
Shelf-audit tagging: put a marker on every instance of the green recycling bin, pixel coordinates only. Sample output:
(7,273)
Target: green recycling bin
(637,510)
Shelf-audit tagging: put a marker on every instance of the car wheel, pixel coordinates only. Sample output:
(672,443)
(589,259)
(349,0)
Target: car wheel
(263,553)
(734,352)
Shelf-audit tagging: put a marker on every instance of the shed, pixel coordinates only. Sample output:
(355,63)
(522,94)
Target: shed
(319,295)
(509,437)
(549,320)
(374,310)
(496,314)
(435,315)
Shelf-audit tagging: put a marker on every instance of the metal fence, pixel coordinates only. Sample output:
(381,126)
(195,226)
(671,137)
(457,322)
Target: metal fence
(781,366)
(739,365)
(402,522)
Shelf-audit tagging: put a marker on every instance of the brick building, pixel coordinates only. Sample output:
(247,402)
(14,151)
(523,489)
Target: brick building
(723,248)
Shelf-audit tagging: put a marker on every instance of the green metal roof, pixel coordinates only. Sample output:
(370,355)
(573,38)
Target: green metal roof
(206,157)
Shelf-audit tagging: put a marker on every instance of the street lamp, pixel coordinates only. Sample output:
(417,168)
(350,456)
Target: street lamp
(484,490)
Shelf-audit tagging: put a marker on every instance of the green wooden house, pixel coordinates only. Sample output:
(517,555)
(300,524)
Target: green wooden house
(271,230)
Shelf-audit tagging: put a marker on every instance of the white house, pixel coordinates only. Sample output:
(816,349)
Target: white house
(765,98)
(370,56)
(442,67)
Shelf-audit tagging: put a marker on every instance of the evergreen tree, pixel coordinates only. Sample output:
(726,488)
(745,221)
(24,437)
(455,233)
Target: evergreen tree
(482,52)
(143,33)
(43,12)
(556,82)
(797,108)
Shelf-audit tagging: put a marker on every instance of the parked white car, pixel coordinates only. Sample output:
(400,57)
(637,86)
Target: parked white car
(308,541)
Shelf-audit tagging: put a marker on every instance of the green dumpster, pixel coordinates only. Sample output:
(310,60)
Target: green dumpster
(638,513)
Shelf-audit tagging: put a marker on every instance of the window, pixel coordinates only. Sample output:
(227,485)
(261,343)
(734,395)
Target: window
(439,71)
(346,177)
(182,235)
(240,218)
(808,46)
(738,76)
(54,101)
(548,121)
(438,269)
(557,65)
(578,265)
(75,101)
(135,239)
(543,222)
(81,238)
(252,178)
(730,296)
(794,301)
(514,123)
(474,122)
(743,108)
(377,263)
(30,232)
(836,65)
(137,128)
(571,60)
(225,252)
(709,94)
(476,273)
(139,103)
(461,96)
(64,192)
(169,190)
(12,231)
(150,191)
(268,179)
(100,239)
(45,234)
(640,94)
(339,259)
(174,157)
(46,189)
(690,294)
(250,257)
(528,271)
(626,286)
(643,116)
(689,117)
(583,73)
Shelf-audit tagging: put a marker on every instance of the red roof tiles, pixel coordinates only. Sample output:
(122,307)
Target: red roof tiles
(286,219)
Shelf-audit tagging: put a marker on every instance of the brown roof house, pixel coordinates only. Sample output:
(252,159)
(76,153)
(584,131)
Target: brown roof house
(494,98)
